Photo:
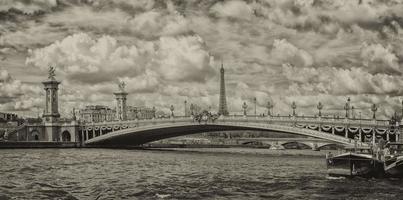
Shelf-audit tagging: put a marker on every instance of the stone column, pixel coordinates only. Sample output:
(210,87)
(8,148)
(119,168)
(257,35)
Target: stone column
(373,136)
(121,98)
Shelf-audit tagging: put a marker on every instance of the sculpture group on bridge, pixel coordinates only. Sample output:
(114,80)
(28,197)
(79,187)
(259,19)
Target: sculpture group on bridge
(205,117)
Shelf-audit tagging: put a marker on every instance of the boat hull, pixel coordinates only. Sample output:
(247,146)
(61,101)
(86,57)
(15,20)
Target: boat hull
(394,168)
(351,164)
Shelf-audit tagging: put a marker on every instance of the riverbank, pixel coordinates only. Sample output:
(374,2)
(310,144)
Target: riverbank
(24,145)
(246,150)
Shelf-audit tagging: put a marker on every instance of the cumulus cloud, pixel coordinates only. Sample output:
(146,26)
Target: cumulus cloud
(331,80)
(27,7)
(15,95)
(233,9)
(80,56)
(380,59)
(286,52)
(279,50)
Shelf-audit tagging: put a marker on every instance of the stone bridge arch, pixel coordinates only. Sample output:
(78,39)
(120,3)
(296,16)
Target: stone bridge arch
(66,136)
(153,132)
(34,135)
(307,144)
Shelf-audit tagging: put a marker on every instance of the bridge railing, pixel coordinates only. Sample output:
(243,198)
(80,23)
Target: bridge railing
(311,120)
(268,119)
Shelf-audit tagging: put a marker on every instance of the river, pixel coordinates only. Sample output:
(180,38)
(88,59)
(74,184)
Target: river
(179,174)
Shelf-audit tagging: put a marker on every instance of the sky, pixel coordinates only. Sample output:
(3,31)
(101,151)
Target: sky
(169,51)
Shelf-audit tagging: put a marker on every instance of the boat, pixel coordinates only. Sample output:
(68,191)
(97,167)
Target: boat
(277,147)
(393,156)
(355,162)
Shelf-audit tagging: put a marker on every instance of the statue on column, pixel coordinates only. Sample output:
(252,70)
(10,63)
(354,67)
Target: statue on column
(51,73)
(122,86)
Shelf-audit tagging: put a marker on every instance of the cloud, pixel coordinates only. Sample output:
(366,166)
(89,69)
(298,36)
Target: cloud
(15,95)
(335,81)
(281,50)
(232,9)
(380,59)
(80,56)
(27,7)
(286,52)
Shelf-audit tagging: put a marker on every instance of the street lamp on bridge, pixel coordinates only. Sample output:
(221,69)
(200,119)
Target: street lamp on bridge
(186,110)
(347,107)
(269,107)
(320,107)
(172,110)
(293,106)
(254,101)
(192,109)
(374,108)
(352,112)
(244,107)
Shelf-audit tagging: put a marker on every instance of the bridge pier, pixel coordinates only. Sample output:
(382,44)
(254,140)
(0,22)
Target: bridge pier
(346,132)
(333,130)
(359,135)
(86,134)
(373,136)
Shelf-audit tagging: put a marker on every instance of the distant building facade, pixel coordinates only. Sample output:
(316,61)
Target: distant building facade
(7,117)
(140,113)
(97,113)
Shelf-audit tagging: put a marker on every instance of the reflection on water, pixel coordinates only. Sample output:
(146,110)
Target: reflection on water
(179,174)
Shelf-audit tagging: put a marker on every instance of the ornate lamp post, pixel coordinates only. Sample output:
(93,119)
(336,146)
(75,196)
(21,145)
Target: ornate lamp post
(269,107)
(320,107)
(254,101)
(293,106)
(172,110)
(185,111)
(352,112)
(374,108)
(154,112)
(401,116)
(244,107)
(346,107)
(192,109)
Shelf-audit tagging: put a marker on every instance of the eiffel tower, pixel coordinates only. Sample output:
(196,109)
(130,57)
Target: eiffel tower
(222,107)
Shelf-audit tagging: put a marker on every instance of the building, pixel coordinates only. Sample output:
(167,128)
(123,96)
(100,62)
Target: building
(6,117)
(140,113)
(97,113)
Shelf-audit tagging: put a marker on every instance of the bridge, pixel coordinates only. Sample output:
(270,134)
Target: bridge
(345,131)
(123,131)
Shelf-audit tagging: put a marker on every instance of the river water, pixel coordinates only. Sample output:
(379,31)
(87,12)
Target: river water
(179,174)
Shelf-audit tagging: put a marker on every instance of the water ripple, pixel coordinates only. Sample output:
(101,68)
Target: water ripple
(135,174)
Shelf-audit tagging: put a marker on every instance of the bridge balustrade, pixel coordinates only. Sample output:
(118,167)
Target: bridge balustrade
(294,123)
